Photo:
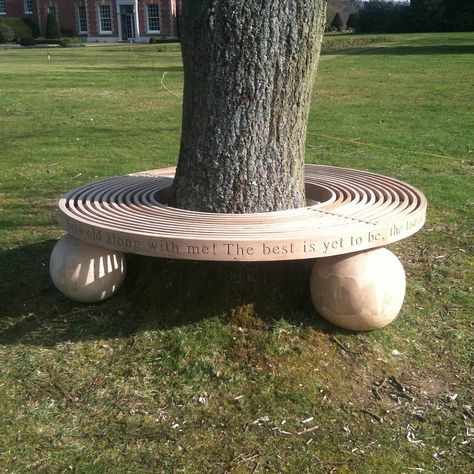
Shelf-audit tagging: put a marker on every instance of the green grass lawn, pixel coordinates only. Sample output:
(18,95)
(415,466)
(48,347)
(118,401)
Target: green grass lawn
(181,380)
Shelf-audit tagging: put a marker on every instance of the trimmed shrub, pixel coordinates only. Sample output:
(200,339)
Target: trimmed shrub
(337,23)
(70,42)
(7,35)
(352,21)
(52,26)
(18,25)
(161,40)
(34,29)
(64,42)
(27,41)
(66,32)
(48,41)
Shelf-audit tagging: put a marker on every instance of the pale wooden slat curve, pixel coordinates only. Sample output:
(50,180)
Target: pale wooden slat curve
(349,210)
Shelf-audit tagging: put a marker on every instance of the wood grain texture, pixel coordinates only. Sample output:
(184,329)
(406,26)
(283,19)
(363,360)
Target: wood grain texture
(348,211)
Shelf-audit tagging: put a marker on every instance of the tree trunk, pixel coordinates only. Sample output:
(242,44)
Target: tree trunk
(248,69)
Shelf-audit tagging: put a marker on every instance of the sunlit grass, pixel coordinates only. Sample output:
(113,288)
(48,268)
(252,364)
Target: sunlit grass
(189,385)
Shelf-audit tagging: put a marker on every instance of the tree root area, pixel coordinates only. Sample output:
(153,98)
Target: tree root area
(181,291)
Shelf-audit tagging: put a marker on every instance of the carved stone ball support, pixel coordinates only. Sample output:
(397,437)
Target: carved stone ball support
(84,272)
(349,213)
(360,291)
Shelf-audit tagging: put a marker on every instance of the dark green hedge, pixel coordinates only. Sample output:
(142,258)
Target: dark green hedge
(159,40)
(19,26)
(6,34)
(64,42)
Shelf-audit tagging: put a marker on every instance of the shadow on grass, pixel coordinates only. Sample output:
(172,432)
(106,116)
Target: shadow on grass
(159,294)
(408,50)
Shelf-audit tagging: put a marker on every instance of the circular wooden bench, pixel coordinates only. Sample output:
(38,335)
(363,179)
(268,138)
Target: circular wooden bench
(348,212)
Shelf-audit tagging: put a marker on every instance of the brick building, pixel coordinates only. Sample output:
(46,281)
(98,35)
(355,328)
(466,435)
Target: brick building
(101,20)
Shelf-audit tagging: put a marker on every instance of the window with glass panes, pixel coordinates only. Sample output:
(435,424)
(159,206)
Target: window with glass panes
(82,19)
(3,8)
(153,15)
(52,9)
(105,19)
(28,6)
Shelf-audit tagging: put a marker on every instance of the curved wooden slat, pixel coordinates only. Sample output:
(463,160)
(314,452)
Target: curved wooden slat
(348,211)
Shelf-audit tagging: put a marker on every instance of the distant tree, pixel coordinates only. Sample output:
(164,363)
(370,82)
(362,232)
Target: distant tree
(337,23)
(378,16)
(442,15)
(52,27)
(427,15)
(457,15)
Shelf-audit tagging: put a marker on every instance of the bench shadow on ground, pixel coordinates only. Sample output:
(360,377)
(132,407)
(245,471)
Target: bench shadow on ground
(402,50)
(159,294)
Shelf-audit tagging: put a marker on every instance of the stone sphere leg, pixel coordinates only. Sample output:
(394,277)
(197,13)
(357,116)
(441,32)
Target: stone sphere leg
(359,291)
(86,273)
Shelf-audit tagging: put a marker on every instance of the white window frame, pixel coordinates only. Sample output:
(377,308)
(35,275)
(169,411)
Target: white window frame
(157,5)
(99,7)
(28,7)
(3,4)
(79,29)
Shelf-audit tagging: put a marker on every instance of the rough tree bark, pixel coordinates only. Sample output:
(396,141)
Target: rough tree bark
(248,68)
